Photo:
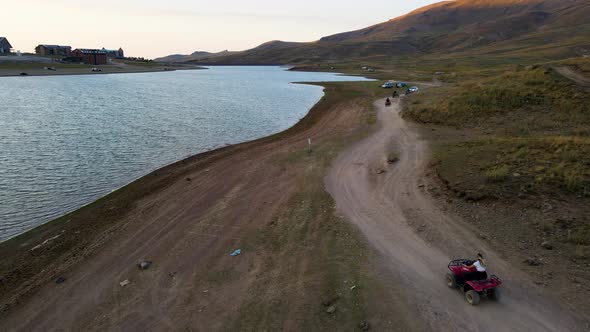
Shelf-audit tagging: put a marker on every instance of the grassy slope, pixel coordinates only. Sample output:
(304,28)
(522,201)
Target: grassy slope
(524,132)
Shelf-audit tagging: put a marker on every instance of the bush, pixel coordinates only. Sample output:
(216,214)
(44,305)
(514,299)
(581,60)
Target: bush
(497,174)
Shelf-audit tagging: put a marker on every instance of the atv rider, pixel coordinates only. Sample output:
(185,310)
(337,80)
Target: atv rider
(480,270)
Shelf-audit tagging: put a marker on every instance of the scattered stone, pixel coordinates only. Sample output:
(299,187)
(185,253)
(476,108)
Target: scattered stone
(124,282)
(331,309)
(364,326)
(392,160)
(521,196)
(547,207)
(60,280)
(172,274)
(533,262)
(547,245)
(353,287)
(482,236)
(189,179)
(380,171)
(329,301)
(144,265)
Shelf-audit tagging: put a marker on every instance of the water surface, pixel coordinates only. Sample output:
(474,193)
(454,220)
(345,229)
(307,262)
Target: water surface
(67,140)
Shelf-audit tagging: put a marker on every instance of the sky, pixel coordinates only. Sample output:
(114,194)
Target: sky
(154,28)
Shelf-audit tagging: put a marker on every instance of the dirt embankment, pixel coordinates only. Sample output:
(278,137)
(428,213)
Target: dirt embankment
(389,203)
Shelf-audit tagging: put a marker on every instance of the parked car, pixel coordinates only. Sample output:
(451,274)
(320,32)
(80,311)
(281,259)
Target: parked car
(413,89)
(401,85)
(388,85)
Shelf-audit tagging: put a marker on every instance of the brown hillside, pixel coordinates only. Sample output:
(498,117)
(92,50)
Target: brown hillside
(475,26)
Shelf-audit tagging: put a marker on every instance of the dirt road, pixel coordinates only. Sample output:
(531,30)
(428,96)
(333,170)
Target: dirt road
(418,239)
(574,75)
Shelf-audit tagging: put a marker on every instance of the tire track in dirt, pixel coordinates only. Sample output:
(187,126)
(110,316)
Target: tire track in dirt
(387,206)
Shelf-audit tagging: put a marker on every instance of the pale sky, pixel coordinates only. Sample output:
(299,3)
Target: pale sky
(153,28)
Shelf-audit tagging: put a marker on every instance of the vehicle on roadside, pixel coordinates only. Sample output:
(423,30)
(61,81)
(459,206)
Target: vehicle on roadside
(388,85)
(401,85)
(94,69)
(474,290)
(413,89)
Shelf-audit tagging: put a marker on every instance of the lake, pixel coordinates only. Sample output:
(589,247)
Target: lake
(66,141)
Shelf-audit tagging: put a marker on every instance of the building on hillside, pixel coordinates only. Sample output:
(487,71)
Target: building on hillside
(5,46)
(89,56)
(117,54)
(45,49)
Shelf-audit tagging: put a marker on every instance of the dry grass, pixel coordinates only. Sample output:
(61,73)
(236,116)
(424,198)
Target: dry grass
(497,173)
(540,124)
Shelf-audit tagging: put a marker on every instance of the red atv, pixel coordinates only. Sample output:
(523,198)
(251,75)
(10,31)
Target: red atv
(473,289)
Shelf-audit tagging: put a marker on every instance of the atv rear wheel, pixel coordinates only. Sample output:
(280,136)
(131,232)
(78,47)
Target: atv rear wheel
(495,294)
(472,297)
(451,281)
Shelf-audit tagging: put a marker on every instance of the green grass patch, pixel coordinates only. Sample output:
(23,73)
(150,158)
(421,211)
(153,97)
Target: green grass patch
(508,166)
(538,92)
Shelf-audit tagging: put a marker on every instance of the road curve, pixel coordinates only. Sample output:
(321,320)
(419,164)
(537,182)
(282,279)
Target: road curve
(388,207)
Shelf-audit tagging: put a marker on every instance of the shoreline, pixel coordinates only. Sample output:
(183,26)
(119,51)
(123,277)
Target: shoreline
(6,71)
(171,164)
(60,244)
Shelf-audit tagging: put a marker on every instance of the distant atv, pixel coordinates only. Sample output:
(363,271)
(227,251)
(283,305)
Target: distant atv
(473,289)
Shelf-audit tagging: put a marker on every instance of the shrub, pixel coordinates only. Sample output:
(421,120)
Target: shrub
(497,174)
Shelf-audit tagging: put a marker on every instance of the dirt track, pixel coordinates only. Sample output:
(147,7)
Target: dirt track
(418,238)
(574,75)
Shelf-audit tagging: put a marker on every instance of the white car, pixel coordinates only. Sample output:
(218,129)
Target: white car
(413,89)
(388,85)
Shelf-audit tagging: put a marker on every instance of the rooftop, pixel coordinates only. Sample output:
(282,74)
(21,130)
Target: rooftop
(91,50)
(48,45)
(5,39)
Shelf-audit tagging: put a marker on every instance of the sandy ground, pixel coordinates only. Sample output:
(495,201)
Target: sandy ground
(393,212)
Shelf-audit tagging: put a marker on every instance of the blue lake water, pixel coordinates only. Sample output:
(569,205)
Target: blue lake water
(67,140)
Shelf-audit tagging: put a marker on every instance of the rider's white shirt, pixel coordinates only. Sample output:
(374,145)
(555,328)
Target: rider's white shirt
(479,267)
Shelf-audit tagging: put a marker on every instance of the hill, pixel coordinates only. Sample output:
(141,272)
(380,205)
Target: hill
(555,28)
(195,56)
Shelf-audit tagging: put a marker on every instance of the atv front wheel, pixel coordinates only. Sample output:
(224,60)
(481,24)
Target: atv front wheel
(451,281)
(472,297)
